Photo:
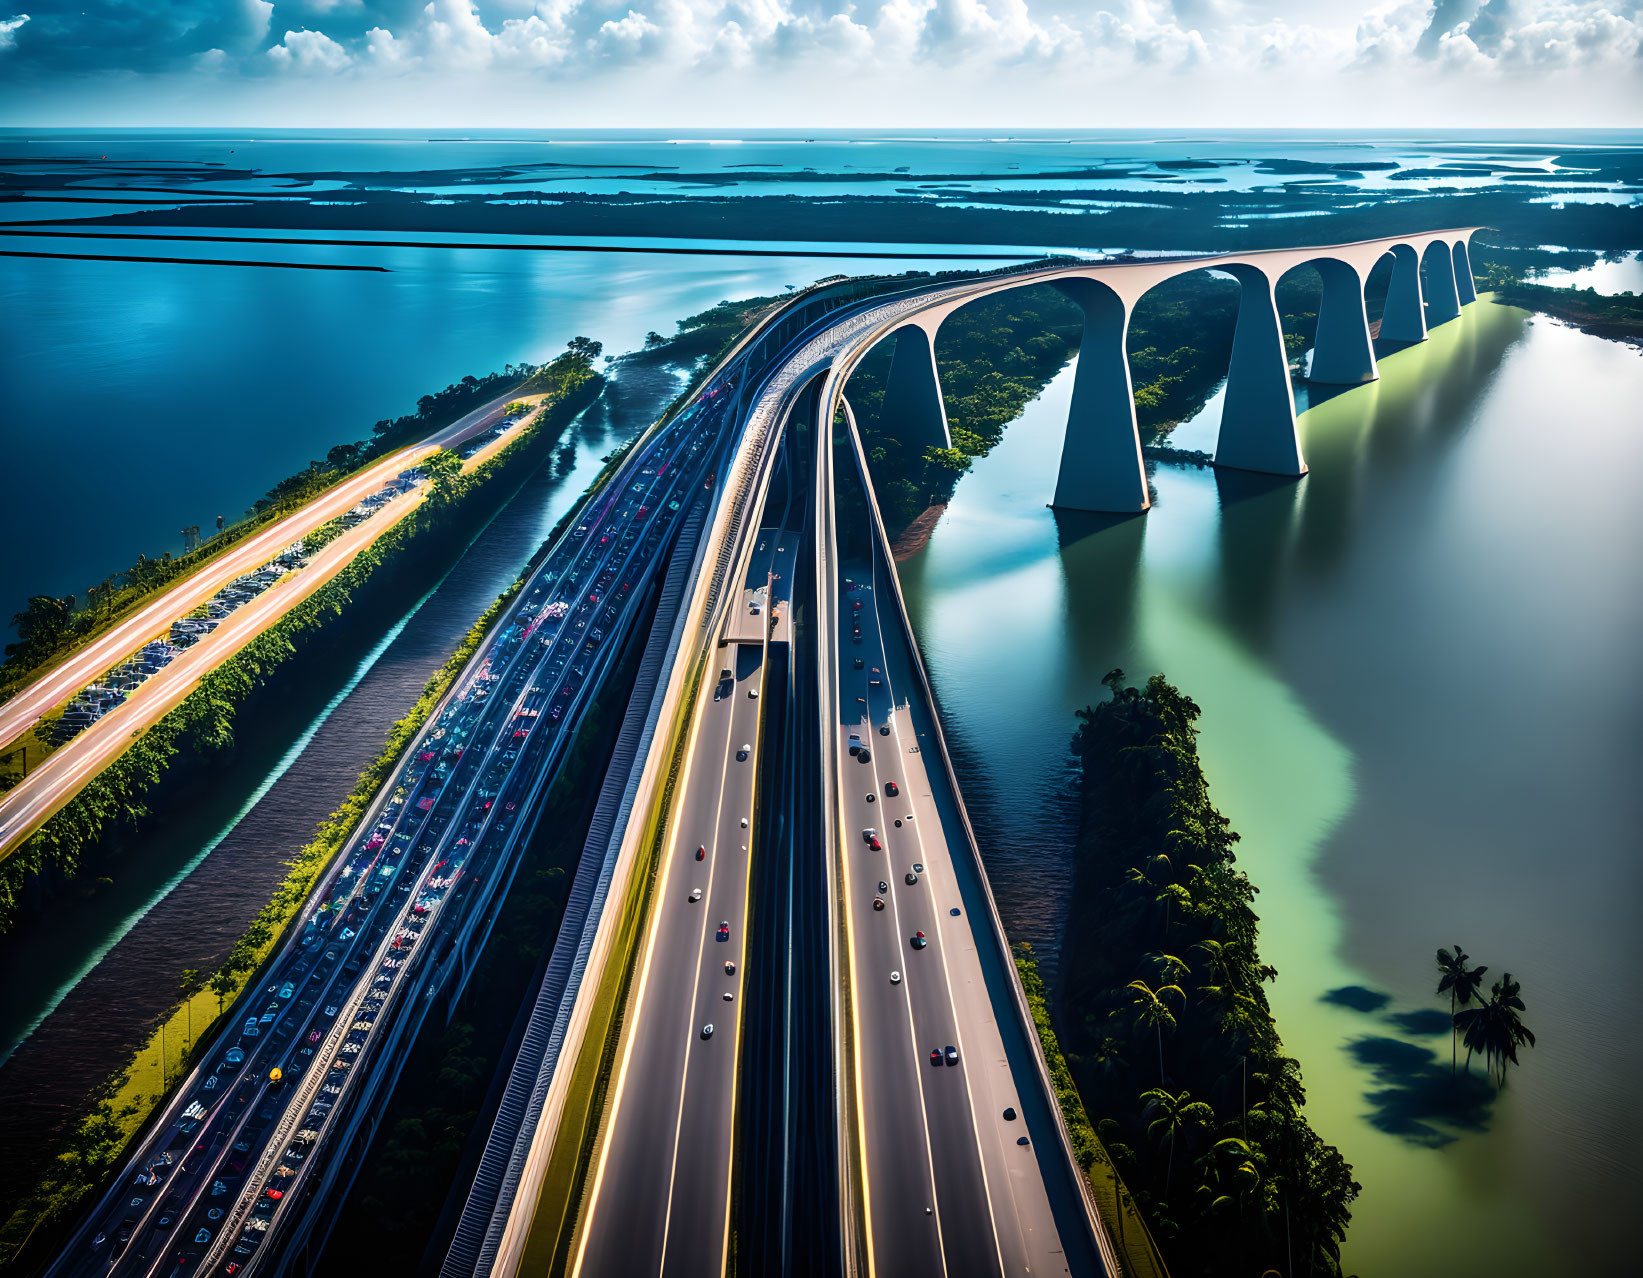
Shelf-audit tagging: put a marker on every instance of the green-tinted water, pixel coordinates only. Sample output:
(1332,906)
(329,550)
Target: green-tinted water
(1420,687)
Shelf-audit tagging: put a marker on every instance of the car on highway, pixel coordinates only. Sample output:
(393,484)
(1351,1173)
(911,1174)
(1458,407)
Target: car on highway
(910,878)
(878,902)
(919,940)
(724,932)
(695,895)
(891,789)
(895,978)
(741,755)
(752,694)
(935,1056)
(701,853)
(952,1054)
(730,968)
(707,1030)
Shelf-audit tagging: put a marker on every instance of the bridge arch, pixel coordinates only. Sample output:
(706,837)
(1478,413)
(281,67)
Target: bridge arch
(1404,319)
(1101,467)
(1442,297)
(1342,353)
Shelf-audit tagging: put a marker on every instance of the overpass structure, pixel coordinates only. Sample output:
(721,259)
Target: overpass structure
(781,849)
(937,1169)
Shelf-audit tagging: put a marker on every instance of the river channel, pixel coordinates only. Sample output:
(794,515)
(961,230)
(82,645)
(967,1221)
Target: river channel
(1418,668)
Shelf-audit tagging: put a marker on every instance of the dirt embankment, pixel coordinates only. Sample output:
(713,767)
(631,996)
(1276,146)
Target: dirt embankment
(912,538)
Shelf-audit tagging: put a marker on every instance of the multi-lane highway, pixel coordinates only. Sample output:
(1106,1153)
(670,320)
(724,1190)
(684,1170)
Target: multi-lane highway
(661,1191)
(953,1183)
(114,645)
(252,1128)
(53,783)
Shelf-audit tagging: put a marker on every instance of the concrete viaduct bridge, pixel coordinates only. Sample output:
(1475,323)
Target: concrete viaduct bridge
(1101,467)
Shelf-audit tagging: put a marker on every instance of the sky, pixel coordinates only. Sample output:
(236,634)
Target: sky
(795,63)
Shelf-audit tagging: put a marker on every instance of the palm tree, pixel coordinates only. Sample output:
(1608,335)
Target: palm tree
(1152,1010)
(1494,1029)
(1461,984)
(1176,1116)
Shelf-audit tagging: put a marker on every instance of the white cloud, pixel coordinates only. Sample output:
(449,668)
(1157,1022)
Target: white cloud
(309,52)
(9,28)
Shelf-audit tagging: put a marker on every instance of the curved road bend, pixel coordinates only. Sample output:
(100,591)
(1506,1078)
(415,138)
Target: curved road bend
(660,1197)
(197,1193)
(54,782)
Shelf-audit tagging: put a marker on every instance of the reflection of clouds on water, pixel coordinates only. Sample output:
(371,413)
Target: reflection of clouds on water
(1414,1094)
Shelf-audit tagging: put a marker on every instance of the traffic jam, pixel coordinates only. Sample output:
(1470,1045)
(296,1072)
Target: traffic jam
(207,1188)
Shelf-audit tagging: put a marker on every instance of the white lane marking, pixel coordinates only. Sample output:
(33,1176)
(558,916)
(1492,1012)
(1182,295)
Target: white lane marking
(947,977)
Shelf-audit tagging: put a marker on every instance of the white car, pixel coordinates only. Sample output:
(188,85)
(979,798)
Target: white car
(696,894)
(895,978)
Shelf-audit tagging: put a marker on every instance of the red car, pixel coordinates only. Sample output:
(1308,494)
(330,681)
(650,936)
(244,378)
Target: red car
(701,853)
(276,1194)
(935,1056)
(724,931)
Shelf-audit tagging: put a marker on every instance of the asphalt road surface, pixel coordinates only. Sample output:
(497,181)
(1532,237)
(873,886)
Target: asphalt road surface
(660,1201)
(949,1190)
(235,1146)
(51,784)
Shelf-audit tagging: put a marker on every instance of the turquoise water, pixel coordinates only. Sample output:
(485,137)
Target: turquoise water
(1419,677)
(144,397)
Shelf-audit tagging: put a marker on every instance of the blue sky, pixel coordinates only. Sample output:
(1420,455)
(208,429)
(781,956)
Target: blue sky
(959,63)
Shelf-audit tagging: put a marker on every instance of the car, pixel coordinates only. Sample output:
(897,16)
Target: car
(204,1236)
(919,940)
(918,867)
(250,1030)
(935,1056)
(287,990)
(332,1009)
(875,844)
(695,895)
(730,968)
(214,1214)
(911,878)
(741,755)
(707,1030)
(871,797)
(724,932)
(701,853)
(98,1241)
(275,1194)
(878,902)
(952,1054)
(895,978)
(752,694)
(868,835)
(729,996)
(1009,1113)
(856,663)
(235,1056)
(891,789)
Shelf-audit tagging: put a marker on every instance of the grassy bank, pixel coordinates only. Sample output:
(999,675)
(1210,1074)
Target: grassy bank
(201,726)
(1137,1252)
(50,630)
(1164,1016)
(1619,318)
(123,1105)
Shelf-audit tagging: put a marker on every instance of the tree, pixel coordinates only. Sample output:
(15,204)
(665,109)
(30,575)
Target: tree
(1173,1116)
(40,628)
(444,469)
(188,986)
(1494,1030)
(1460,983)
(584,348)
(223,983)
(1151,1010)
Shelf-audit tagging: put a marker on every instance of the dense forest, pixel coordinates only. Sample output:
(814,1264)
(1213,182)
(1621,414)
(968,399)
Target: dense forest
(1163,1013)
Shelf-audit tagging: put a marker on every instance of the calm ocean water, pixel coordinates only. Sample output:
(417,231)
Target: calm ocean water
(1417,667)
